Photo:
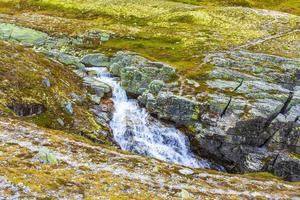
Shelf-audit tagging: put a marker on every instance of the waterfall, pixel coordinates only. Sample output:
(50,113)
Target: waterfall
(136,131)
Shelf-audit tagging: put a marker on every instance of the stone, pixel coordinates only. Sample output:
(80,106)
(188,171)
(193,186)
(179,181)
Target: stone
(156,86)
(68,59)
(98,86)
(171,107)
(287,167)
(77,98)
(69,108)
(61,122)
(46,82)
(137,73)
(26,36)
(95,60)
(184,194)
(186,171)
(96,99)
(104,37)
(115,69)
(222,84)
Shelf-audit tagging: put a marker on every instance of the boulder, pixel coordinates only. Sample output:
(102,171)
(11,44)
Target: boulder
(46,82)
(26,36)
(287,167)
(68,107)
(137,73)
(171,107)
(95,60)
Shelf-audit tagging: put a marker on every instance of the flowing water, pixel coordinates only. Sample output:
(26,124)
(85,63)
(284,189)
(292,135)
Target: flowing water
(136,131)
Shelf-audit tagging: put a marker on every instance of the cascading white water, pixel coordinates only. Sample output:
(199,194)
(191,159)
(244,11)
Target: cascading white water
(136,131)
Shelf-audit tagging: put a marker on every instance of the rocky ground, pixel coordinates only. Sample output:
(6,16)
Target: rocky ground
(234,90)
(58,165)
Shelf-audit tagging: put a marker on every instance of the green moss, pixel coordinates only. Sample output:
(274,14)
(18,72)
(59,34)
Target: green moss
(182,19)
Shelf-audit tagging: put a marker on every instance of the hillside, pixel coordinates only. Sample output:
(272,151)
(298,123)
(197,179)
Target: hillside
(149,99)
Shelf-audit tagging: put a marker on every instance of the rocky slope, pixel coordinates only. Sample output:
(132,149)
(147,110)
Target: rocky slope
(52,164)
(46,92)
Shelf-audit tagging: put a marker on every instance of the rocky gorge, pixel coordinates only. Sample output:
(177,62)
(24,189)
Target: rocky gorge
(241,113)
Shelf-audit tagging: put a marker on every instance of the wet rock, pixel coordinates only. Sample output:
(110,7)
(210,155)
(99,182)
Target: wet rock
(250,117)
(95,60)
(24,110)
(100,88)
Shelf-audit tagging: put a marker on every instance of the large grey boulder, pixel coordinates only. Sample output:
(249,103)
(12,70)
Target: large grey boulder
(26,36)
(137,73)
(171,107)
(100,88)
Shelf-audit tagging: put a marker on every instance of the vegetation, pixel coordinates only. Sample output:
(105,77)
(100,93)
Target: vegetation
(176,33)
(86,170)
(21,83)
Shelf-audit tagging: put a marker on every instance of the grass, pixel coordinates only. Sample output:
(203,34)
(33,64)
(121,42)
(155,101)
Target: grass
(289,6)
(176,33)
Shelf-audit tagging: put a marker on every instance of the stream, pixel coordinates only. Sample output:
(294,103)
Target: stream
(136,131)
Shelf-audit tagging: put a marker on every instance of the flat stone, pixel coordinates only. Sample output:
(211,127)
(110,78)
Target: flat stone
(186,171)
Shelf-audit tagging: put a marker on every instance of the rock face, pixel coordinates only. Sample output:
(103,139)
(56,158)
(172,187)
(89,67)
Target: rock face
(171,107)
(246,122)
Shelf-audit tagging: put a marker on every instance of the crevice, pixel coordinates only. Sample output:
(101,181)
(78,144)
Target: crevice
(225,109)
(297,119)
(241,83)
(274,161)
(228,104)
(284,109)
(267,124)
(24,110)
